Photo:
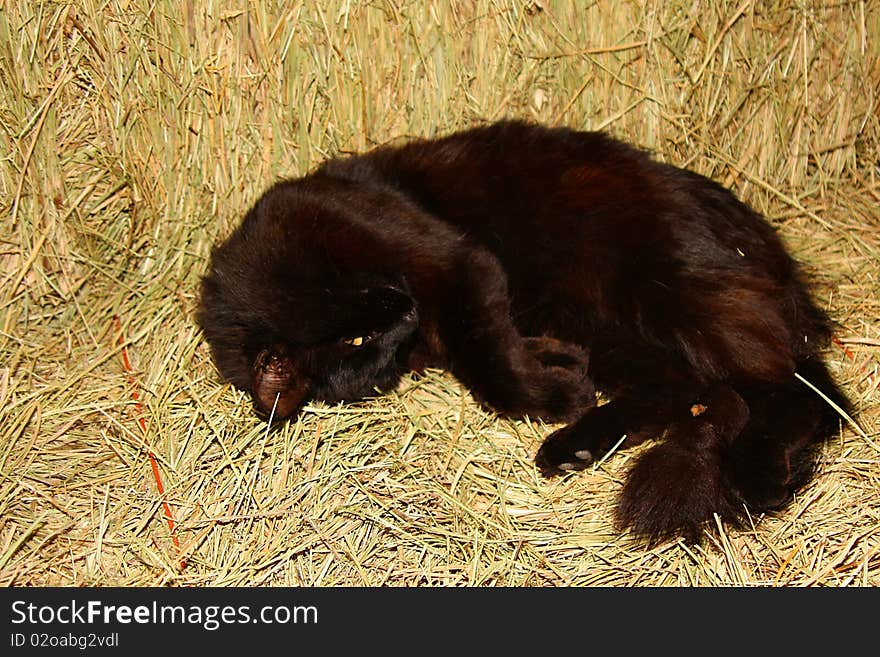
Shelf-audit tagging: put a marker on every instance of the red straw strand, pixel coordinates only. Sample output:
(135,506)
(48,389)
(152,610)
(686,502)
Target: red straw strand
(154,464)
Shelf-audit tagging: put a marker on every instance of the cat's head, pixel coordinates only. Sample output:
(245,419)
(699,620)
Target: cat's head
(286,320)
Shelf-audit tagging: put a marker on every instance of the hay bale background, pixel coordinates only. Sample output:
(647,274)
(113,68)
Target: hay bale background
(136,133)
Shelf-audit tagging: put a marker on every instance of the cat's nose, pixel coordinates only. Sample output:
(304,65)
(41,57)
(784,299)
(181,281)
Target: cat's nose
(278,389)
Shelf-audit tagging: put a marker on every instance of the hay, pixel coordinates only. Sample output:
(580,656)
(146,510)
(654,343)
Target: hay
(136,133)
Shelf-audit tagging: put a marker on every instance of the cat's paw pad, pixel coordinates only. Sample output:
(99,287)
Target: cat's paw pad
(557,456)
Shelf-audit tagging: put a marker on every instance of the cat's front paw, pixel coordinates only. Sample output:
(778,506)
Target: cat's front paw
(551,352)
(564,452)
(559,388)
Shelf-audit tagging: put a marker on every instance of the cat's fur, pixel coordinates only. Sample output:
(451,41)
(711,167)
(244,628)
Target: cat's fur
(535,263)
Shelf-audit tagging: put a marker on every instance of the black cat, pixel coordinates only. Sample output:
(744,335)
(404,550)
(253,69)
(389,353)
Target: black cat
(534,263)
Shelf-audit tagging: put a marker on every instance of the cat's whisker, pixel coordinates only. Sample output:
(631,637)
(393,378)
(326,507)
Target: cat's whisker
(272,414)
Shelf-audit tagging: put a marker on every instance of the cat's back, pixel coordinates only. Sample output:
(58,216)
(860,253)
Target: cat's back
(502,182)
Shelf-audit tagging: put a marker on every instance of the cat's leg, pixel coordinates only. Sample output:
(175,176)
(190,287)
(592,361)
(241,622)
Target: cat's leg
(649,387)
(536,376)
(627,420)
(677,485)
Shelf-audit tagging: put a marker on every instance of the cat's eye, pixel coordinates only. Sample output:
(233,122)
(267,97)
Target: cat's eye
(359,341)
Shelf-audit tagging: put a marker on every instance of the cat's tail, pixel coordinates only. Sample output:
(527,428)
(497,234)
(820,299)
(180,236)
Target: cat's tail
(739,450)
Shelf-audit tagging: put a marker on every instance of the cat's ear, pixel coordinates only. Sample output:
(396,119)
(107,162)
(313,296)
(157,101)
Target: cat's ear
(277,385)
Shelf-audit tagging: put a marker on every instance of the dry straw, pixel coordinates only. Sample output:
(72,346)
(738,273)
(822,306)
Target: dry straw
(134,134)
